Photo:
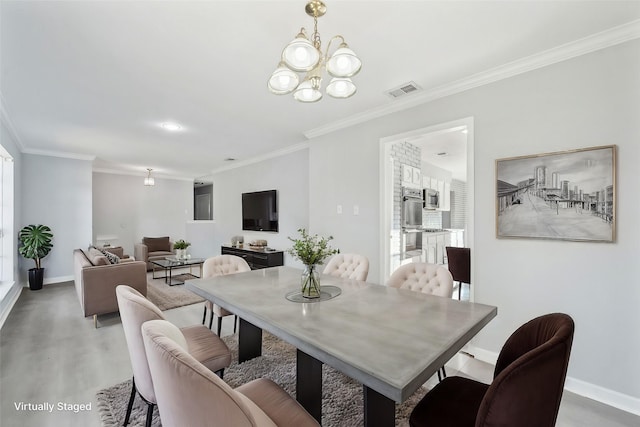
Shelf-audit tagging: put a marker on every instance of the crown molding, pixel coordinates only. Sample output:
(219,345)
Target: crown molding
(63,154)
(592,43)
(277,153)
(4,117)
(142,174)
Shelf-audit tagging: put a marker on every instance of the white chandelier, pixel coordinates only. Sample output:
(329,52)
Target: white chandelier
(304,56)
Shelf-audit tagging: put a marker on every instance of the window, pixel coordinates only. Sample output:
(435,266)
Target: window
(7,252)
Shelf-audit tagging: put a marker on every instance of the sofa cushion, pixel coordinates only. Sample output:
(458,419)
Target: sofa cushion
(84,260)
(156,244)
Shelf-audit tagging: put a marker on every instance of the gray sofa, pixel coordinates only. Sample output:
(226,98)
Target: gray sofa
(153,248)
(96,280)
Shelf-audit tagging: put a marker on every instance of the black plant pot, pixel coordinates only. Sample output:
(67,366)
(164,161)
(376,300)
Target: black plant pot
(36,276)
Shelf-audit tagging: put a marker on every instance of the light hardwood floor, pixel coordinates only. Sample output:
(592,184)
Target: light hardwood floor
(50,353)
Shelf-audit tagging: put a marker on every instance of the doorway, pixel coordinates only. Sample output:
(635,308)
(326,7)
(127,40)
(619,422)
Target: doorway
(202,201)
(441,145)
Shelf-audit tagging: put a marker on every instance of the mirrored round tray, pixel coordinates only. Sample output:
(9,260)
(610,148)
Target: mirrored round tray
(326,293)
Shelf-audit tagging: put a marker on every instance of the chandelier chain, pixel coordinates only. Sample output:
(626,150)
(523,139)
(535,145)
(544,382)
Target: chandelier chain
(316,36)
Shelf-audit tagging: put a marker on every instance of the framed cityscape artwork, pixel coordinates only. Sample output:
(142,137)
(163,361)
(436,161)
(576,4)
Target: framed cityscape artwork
(567,195)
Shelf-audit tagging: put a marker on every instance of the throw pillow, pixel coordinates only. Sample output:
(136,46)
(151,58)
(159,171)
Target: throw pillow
(113,259)
(96,257)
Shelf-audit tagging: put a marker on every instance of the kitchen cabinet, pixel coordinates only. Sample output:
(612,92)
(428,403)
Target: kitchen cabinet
(434,244)
(445,197)
(411,176)
(417,177)
(407,174)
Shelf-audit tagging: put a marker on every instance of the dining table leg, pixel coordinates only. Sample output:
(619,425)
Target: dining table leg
(249,341)
(309,384)
(379,410)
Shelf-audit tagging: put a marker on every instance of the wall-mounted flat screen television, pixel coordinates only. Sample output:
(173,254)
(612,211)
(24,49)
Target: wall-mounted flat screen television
(260,211)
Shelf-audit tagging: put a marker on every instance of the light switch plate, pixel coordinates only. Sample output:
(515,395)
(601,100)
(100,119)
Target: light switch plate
(339,209)
(356,210)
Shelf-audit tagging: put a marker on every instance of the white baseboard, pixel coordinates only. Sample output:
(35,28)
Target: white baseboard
(57,280)
(609,397)
(8,302)
(621,401)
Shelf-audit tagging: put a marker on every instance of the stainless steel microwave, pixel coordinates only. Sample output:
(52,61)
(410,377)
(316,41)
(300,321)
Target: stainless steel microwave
(431,199)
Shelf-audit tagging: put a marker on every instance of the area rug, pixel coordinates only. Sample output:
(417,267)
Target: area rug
(342,403)
(167,297)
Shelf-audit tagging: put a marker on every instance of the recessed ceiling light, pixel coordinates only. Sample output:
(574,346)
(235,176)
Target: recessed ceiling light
(170,126)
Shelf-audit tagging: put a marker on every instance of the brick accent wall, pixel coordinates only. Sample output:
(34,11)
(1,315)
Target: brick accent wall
(408,154)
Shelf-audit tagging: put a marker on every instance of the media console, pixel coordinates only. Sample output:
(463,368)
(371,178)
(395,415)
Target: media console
(256,258)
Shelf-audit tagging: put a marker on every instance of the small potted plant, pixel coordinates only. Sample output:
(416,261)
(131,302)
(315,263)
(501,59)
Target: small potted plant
(181,248)
(35,244)
(311,250)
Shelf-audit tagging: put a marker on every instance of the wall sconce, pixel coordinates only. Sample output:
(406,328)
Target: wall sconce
(149,181)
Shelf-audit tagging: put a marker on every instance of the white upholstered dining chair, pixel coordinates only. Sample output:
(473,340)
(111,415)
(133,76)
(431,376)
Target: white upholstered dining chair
(203,344)
(190,395)
(427,278)
(423,277)
(348,266)
(218,266)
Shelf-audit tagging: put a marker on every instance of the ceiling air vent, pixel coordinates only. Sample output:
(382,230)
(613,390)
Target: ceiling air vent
(403,90)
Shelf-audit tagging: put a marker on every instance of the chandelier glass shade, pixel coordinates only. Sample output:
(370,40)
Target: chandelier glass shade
(341,87)
(302,55)
(283,80)
(343,62)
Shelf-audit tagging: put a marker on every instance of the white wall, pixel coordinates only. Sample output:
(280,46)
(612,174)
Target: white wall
(57,192)
(343,170)
(289,174)
(586,101)
(124,207)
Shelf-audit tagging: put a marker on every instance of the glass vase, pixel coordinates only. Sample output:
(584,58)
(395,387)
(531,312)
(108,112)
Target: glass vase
(310,282)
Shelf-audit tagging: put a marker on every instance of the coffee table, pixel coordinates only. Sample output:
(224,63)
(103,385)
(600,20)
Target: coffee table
(169,263)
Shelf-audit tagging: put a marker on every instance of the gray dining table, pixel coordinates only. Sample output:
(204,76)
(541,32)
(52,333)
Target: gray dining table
(390,340)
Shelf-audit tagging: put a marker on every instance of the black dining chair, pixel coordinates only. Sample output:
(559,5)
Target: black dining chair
(527,384)
(459,260)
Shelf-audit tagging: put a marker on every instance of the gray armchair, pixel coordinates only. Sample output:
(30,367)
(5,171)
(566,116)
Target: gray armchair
(153,248)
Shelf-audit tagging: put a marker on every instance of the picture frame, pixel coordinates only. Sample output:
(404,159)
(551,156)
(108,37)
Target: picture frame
(565,195)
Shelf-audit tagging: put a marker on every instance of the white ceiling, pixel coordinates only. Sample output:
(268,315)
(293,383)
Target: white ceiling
(96,78)
(445,149)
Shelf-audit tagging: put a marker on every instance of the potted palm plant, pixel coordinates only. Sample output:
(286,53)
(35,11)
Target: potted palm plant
(35,243)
